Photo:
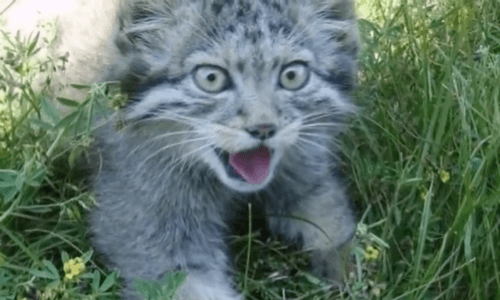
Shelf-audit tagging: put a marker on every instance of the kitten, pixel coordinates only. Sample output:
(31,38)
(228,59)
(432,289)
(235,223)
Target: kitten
(228,100)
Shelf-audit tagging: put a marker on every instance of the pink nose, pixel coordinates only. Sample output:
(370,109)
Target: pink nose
(262,131)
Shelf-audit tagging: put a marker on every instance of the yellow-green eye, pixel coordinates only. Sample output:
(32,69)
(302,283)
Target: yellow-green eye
(294,76)
(211,79)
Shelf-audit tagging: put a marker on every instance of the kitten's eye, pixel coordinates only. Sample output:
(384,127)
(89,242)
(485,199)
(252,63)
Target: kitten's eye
(294,76)
(211,79)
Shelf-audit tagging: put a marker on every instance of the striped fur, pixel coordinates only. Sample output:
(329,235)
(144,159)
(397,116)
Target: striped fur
(164,187)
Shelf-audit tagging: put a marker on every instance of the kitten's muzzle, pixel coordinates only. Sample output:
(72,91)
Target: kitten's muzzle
(262,131)
(224,158)
(234,169)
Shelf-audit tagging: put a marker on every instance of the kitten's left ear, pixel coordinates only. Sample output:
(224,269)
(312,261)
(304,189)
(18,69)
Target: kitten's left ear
(340,23)
(336,9)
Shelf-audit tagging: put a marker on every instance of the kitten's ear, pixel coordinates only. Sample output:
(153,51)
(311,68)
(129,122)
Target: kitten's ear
(137,24)
(139,19)
(336,9)
(341,23)
(129,14)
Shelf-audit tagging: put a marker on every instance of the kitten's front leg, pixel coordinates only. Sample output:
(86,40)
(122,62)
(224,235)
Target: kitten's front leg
(324,222)
(211,285)
(206,286)
(207,277)
(149,244)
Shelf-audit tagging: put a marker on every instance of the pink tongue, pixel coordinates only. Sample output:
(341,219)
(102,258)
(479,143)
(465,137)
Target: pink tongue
(252,165)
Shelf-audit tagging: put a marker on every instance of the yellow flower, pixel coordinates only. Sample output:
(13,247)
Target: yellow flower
(371,253)
(445,176)
(73,268)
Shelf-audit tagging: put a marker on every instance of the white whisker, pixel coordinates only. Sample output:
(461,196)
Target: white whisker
(182,159)
(156,138)
(315,144)
(174,117)
(168,147)
(318,135)
(315,116)
(313,125)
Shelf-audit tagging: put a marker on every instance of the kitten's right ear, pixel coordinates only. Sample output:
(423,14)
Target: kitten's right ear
(139,21)
(130,13)
(139,33)
(123,43)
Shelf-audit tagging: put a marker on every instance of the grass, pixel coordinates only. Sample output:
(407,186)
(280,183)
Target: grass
(421,159)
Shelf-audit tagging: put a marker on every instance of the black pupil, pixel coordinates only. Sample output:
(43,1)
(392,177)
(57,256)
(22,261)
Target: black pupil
(211,77)
(290,75)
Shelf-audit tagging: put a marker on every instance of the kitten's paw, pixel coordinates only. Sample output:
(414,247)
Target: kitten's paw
(206,288)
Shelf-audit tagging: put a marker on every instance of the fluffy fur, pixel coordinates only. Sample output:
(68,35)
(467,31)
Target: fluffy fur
(165,189)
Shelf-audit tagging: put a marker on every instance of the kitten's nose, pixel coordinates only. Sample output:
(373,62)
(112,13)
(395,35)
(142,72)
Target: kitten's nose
(262,131)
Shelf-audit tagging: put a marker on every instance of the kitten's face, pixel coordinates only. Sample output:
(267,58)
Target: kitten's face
(250,82)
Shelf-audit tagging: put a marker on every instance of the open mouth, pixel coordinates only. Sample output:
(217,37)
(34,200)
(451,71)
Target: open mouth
(252,166)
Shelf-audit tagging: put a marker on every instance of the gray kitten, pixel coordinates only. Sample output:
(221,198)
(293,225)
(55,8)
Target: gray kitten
(229,100)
